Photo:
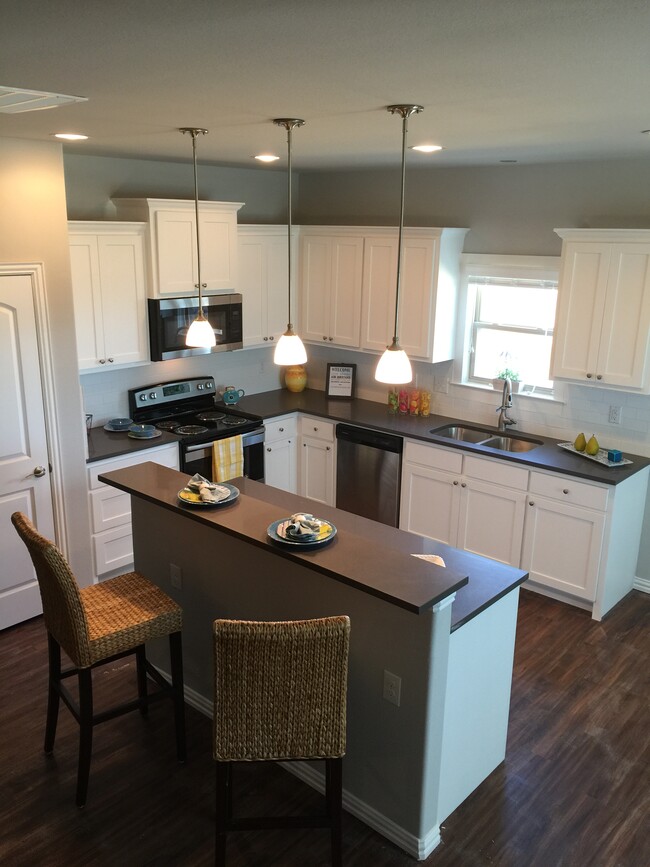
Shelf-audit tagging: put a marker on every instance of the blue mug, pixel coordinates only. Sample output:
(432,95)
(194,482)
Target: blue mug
(231,395)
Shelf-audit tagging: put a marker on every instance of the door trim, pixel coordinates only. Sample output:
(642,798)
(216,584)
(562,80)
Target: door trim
(35,272)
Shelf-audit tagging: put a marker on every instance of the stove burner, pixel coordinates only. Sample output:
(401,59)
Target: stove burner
(233,421)
(190,429)
(210,416)
(167,425)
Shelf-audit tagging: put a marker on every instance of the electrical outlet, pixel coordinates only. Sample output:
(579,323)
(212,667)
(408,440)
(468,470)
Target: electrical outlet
(615,414)
(441,384)
(392,687)
(176,575)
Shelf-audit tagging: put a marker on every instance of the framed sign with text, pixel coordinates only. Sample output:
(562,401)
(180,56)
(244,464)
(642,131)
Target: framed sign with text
(340,380)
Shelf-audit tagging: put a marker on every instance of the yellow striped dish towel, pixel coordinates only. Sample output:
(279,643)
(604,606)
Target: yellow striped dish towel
(227,459)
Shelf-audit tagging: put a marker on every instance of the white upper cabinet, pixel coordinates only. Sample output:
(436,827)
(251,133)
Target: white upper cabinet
(172,244)
(109,291)
(602,328)
(428,291)
(263,269)
(331,278)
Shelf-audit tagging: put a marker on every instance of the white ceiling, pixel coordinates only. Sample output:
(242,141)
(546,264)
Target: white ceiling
(525,80)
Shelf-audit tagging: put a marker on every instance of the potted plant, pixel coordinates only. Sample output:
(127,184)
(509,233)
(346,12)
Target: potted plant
(506,373)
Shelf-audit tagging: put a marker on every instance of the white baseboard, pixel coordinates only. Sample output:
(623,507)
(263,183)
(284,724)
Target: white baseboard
(642,584)
(418,847)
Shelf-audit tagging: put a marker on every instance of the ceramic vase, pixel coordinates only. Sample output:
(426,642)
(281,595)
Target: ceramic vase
(295,377)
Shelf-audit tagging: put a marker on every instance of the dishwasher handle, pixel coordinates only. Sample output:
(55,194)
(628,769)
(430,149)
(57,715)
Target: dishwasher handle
(373,438)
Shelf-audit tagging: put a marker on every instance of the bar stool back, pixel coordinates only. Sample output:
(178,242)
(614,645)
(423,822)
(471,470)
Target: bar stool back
(280,695)
(95,625)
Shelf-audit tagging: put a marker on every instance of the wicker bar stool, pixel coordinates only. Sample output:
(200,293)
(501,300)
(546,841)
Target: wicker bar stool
(280,695)
(95,625)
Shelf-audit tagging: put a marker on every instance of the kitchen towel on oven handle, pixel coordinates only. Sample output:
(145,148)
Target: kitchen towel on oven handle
(227,459)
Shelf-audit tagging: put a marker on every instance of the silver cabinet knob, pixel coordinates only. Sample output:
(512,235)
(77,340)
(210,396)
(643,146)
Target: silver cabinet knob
(463,484)
(38,472)
(271,337)
(110,360)
(565,490)
(315,428)
(281,430)
(266,338)
(324,337)
(531,503)
(331,338)
(268,448)
(455,483)
(589,375)
(327,448)
(598,376)
(102,361)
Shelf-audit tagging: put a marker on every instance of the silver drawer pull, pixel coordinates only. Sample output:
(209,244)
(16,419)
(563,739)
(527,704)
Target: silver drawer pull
(565,490)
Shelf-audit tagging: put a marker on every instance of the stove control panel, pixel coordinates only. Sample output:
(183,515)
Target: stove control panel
(168,392)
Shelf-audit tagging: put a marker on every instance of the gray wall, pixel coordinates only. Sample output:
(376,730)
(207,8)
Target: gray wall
(91,182)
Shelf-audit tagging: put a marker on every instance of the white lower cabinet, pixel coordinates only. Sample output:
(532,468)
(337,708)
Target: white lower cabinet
(317,460)
(281,453)
(564,534)
(472,503)
(110,510)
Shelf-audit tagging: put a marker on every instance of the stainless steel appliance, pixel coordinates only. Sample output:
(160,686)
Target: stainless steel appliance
(169,319)
(186,408)
(368,471)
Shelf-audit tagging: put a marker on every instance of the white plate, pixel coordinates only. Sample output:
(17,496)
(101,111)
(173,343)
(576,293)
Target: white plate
(190,498)
(276,531)
(135,436)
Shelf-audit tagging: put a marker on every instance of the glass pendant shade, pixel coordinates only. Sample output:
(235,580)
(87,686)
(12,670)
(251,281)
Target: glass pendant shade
(289,349)
(200,333)
(394,367)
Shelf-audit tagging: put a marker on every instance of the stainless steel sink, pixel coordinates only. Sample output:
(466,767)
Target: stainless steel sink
(464,434)
(481,437)
(511,444)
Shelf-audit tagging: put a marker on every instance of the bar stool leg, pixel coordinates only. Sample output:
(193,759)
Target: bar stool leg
(141,670)
(223,809)
(85,733)
(176,657)
(334,795)
(53,695)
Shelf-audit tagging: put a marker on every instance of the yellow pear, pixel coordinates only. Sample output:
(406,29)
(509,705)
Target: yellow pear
(580,443)
(592,446)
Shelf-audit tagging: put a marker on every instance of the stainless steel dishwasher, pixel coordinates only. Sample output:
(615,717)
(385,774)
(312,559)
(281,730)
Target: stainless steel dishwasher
(368,470)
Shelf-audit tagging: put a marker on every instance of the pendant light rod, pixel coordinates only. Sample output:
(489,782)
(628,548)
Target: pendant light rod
(195,132)
(289,123)
(405,111)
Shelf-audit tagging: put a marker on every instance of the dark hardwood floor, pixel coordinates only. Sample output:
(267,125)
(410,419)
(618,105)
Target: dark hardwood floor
(573,791)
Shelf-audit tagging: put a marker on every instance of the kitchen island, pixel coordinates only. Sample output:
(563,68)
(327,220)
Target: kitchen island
(447,634)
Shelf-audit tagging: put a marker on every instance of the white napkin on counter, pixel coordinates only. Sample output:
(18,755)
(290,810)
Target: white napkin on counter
(207,491)
(430,558)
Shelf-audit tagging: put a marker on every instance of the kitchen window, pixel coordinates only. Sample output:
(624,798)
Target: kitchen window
(511,314)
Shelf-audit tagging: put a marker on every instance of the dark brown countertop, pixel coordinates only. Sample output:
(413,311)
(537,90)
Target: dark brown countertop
(370,414)
(371,557)
(104,444)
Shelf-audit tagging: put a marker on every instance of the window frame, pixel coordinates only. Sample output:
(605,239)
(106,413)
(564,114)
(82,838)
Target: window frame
(491,266)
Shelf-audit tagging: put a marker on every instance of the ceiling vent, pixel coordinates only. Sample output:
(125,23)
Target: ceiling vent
(14,100)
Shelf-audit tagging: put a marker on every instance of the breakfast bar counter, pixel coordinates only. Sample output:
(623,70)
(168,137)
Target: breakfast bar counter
(446,634)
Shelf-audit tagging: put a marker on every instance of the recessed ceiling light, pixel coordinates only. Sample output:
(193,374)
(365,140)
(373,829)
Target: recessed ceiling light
(70,136)
(266,158)
(426,149)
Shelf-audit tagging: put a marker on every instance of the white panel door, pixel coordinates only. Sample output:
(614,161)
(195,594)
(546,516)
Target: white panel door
(491,521)
(24,463)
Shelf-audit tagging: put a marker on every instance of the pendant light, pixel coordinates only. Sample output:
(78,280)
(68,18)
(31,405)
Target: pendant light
(394,367)
(289,348)
(200,333)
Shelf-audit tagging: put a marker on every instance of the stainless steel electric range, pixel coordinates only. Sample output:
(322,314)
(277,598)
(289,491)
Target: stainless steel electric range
(186,408)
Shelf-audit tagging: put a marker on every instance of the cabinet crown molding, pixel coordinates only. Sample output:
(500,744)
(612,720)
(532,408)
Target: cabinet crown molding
(605,235)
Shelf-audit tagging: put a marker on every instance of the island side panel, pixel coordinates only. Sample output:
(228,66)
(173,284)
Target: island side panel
(392,766)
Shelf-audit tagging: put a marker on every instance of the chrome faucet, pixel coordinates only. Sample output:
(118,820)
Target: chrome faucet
(506,404)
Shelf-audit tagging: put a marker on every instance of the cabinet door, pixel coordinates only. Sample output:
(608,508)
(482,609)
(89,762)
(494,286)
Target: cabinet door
(87,295)
(317,470)
(276,298)
(175,253)
(316,278)
(562,546)
(218,236)
(580,309)
(280,460)
(124,315)
(429,503)
(623,352)
(379,284)
(252,285)
(345,291)
(491,521)
(416,297)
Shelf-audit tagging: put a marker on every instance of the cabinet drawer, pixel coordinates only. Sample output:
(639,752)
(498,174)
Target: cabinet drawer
(113,550)
(280,428)
(569,490)
(317,428)
(166,455)
(499,472)
(109,508)
(432,456)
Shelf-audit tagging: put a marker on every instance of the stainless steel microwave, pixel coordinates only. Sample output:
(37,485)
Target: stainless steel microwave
(169,319)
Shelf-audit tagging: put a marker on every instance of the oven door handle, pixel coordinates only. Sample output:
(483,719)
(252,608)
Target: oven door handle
(248,439)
